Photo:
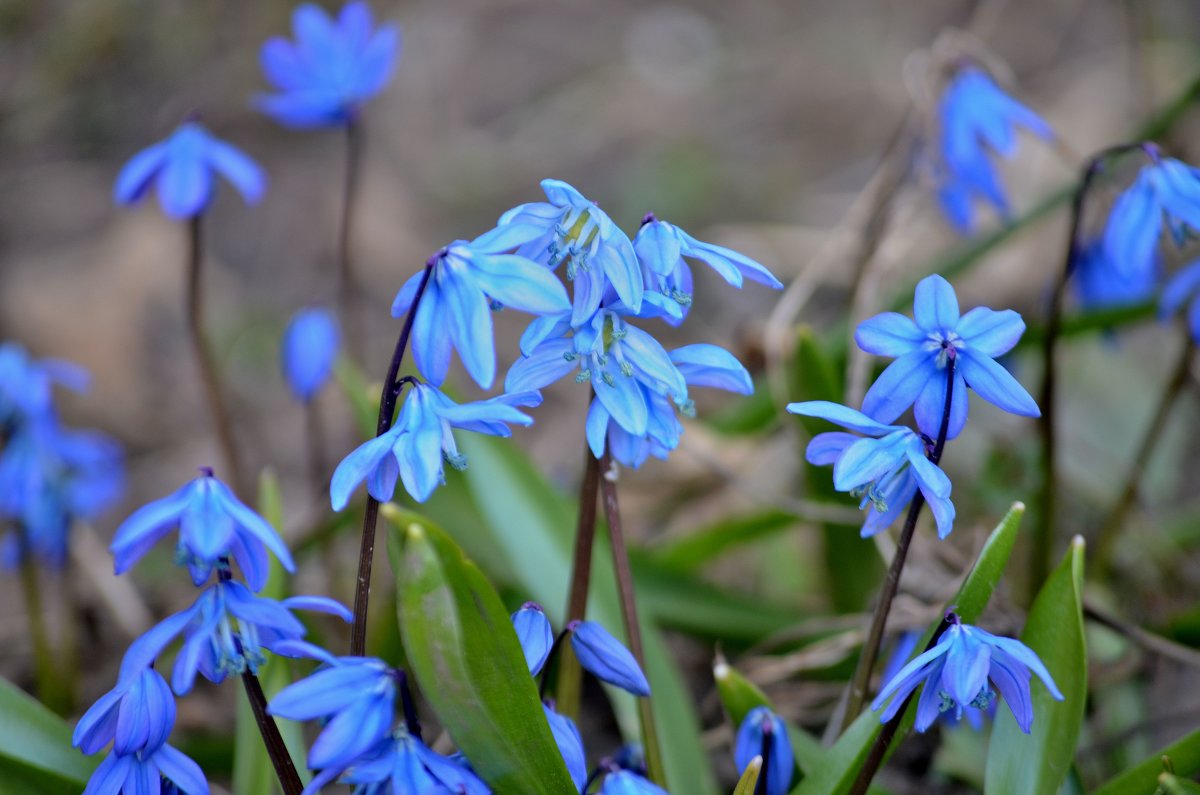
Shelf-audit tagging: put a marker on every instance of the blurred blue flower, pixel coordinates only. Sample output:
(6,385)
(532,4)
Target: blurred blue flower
(1183,289)
(570,745)
(142,774)
(924,347)
(331,69)
(977,119)
(456,308)
(625,782)
(762,727)
(603,656)
(535,635)
(356,696)
(956,673)
(1166,189)
(569,228)
(225,632)
(26,384)
(310,346)
(884,469)
(182,167)
(136,716)
(414,448)
(213,524)
(1100,284)
(403,764)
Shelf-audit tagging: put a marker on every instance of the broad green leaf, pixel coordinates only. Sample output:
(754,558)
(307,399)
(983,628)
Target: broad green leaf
(468,663)
(1037,763)
(838,768)
(35,746)
(1143,777)
(1170,784)
(749,780)
(739,695)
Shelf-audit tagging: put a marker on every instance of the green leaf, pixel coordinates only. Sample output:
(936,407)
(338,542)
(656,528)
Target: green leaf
(35,747)
(1143,777)
(363,397)
(749,780)
(1037,763)
(739,695)
(690,552)
(465,656)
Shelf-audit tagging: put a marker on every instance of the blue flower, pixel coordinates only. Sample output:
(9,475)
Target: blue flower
(182,166)
(310,345)
(413,449)
(26,384)
(356,694)
(1167,188)
(226,632)
(924,348)
(977,119)
(403,764)
(136,716)
(534,633)
(142,774)
(956,673)
(332,68)
(570,745)
(213,525)
(663,250)
(455,310)
(1184,288)
(603,656)
(885,468)
(762,727)
(1100,284)
(625,782)
(569,228)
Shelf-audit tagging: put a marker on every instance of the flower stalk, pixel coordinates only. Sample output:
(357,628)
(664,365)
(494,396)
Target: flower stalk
(347,282)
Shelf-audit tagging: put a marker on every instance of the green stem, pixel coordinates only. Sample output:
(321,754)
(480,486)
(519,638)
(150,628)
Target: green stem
(45,670)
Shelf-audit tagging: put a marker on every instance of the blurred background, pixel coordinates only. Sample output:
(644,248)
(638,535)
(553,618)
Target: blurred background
(762,126)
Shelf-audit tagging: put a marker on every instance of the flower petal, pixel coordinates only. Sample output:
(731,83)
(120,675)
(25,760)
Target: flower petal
(841,415)
(990,332)
(888,334)
(995,384)
(935,306)
(899,385)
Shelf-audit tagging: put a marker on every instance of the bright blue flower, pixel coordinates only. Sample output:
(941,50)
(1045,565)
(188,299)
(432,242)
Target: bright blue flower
(468,280)
(136,716)
(763,727)
(663,250)
(1184,289)
(884,469)
(977,119)
(534,633)
(956,673)
(1166,189)
(570,745)
(905,645)
(213,525)
(603,656)
(182,166)
(569,228)
(331,69)
(356,694)
(310,346)
(403,764)
(225,632)
(625,782)
(924,348)
(1100,284)
(143,774)
(414,448)
(26,384)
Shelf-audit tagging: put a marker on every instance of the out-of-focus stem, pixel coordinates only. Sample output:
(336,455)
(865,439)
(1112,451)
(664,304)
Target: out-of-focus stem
(44,668)
(314,433)
(347,282)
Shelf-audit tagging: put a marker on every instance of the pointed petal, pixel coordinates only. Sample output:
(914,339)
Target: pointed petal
(545,365)
(825,448)
(989,332)
(181,771)
(995,384)
(145,526)
(520,283)
(240,170)
(712,366)
(430,342)
(888,334)
(935,306)
(931,404)
(841,415)
(470,326)
(137,174)
(899,385)
(358,466)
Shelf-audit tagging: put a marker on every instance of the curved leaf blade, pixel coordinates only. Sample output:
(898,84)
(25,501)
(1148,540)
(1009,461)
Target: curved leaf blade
(1184,754)
(35,740)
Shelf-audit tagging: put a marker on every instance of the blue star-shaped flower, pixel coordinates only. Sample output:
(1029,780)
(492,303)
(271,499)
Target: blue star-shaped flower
(923,347)
(403,763)
(136,716)
(977,119)
(143,773)
(414,448)
(885,468)
(331,69)
(182,167)
(1167,188)
(956,673)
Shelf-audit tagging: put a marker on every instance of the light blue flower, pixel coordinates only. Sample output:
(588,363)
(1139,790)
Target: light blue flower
(884,468)
(182,167)
(570,229)
(414,448)
(142,774)
(455,312)
(136,716)
(403,764)
(625,782)
(535,635)
(1184,289)
(1166,189)
(760,728)
(331,69)
(213,524)
(977,119)
(225,632)
(603,656)
(925,346)
(570,745)
(26,384)
(956,674)
(310,346)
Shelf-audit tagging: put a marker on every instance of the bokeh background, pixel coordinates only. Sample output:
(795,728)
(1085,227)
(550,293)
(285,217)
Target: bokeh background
(757,125)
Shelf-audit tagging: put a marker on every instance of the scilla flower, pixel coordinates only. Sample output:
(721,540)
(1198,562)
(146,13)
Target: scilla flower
(923,348)
(535,635)
(1099,283)
(626,782)
(331,68)
(403,764)
(1167,189)
(957,671)
(884,467)
(603,656)
(762,733)
(414,448)
(26,384)
(136,716)
(310,345)
(570,744)
(142,774)
(182,167)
